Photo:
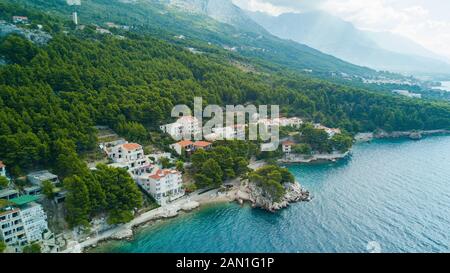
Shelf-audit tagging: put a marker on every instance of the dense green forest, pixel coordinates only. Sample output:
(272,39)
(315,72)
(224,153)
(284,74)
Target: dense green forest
(152,16)
(271,179)
(227,160)
(52,95)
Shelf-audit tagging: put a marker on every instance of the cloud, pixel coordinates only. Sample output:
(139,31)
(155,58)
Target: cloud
(413,21)
(417,11)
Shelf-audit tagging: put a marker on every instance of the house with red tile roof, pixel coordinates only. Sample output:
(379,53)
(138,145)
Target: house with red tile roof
(287,146)
(184,125)
(205,145)
(127,155)
(189,147)
(184,146)
(164,185)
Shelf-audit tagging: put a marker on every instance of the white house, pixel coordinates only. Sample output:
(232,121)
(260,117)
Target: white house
(20,19)
(8,194)
(156,157)
(294,122)
(184,145)
(287,146)
(24,222)
(281,122)
(225,133)
(37,178)
(266,122)
(212,137)
(138,172)
(34,221)
(126,152)
(11,227)
(330,131)
(190,147)
(164,185)
(184,125)
(239,131)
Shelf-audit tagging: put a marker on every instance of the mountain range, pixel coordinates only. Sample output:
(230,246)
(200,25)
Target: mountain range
(206,24)
(329,34)
(332,35)
(221,10)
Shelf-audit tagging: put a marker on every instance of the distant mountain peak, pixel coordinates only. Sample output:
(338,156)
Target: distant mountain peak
(223,11)
(332,35)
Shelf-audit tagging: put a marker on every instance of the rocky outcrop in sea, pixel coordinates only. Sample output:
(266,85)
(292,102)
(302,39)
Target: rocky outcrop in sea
(250,192)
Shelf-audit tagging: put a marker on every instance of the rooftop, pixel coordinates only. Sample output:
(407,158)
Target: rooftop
(43,175)
(131,146)
(202,144)
(24,199)
(7,192)
(162,173)
(32,188)
(288,143)
(185,143)
(5,209)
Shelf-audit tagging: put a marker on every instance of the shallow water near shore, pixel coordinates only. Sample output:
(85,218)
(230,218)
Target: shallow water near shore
(392,192)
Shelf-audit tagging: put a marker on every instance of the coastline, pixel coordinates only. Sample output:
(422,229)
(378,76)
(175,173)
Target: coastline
(238,193)
(317,158)
(413,134)
(126,231)
(198,199)
(329,183)
(184,204)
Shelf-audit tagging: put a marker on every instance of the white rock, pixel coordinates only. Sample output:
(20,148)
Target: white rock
(190,206)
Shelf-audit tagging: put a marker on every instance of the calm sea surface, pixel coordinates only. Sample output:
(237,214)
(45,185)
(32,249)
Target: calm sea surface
(393,193)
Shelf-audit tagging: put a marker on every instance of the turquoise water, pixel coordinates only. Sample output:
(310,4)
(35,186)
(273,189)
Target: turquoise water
(396,193)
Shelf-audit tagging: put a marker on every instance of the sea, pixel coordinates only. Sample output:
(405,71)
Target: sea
(389,196)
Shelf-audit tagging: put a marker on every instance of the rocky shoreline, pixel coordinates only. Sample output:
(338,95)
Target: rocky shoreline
(413,135)
(314,158)
(250,192)
(246,192)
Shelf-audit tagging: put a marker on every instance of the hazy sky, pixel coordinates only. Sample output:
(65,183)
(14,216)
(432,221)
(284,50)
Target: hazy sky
(425,21)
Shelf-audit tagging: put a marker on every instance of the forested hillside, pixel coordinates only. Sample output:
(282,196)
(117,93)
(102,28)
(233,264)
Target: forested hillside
(51,96)
(152,16)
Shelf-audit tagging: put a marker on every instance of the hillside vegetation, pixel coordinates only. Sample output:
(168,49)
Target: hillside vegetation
(51,96)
